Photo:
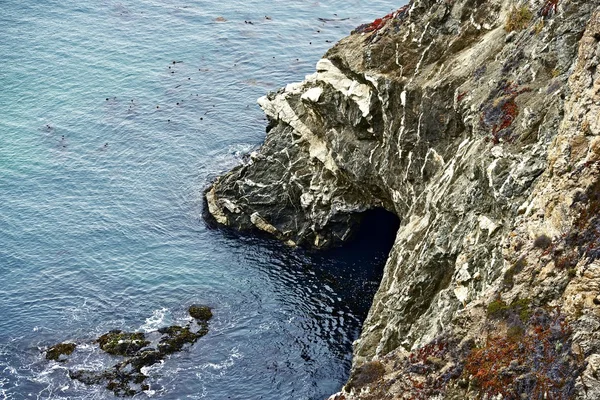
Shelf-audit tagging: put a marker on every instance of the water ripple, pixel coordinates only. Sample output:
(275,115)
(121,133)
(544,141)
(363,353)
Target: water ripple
(106,145)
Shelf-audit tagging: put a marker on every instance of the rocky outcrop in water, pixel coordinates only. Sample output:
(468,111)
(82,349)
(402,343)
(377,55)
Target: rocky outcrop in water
(60,352)
(476,122)
(135,351)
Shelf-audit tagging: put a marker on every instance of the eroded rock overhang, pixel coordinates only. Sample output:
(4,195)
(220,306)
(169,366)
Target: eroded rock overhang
(443,114)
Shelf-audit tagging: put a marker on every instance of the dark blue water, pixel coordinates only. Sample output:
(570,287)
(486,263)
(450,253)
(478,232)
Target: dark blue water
(105,148)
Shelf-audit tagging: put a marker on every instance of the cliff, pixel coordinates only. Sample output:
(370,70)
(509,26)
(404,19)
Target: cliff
(476,122)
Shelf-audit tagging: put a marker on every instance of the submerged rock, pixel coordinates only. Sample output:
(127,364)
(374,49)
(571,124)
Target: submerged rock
(121,383)
(60,351)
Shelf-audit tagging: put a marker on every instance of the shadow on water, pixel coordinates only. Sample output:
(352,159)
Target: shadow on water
(352,271)
(356,268)
(326,296)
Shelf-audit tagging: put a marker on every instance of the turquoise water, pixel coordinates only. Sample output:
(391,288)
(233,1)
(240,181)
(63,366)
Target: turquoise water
(105,147)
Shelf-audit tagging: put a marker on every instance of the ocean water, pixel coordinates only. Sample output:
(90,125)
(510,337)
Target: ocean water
(114,116)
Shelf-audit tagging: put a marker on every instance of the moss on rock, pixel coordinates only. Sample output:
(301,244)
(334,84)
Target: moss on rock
(175,337)
(499,309)
(121,343)
(200,312)
(518,18)
(60,351)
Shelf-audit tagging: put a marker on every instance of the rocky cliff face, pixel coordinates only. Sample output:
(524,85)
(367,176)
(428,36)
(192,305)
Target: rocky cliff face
(476,122)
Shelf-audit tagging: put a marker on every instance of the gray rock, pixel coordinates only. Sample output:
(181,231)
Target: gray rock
(479,140)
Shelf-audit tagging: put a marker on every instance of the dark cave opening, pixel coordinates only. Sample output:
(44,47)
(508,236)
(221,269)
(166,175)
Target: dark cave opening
(377,228)
(357,265)
(354,268)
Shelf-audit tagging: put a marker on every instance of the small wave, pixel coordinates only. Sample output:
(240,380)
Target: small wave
(233,155)
(223,366)
(10,370)
(200,395)
(52,369)
(148,370)
(80,312)
(267,326)
(155,321)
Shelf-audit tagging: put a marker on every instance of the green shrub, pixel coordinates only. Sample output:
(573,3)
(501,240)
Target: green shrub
(499,309)
(518,18)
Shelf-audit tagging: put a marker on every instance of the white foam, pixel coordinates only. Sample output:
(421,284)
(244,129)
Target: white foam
(223,366)
(152,368)
(155,321)
(81,312)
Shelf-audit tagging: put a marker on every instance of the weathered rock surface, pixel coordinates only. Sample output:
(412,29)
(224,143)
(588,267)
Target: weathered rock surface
(137,350)
(477,123)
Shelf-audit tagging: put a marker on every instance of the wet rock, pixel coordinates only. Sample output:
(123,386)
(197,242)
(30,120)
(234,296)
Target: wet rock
(145,359)
(122,343)
(126,378)
(200,312)
(60,351)
(137,350)
(87,377)
(175,337)
(123,379)
(121,383)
